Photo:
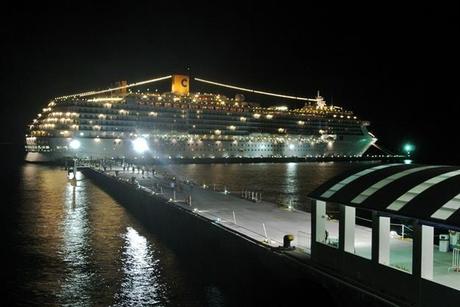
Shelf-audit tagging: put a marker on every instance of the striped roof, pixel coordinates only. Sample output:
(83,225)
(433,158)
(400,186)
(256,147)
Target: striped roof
(425,192)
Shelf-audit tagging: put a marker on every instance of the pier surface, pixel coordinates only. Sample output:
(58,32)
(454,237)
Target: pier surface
(267,222)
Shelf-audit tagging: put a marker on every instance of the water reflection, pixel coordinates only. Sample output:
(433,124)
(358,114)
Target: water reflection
(289,187)
(279,182)
(75,246)
(140,284)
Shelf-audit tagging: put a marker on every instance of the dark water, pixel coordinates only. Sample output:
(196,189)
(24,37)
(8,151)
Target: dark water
(280,182)
(76,246)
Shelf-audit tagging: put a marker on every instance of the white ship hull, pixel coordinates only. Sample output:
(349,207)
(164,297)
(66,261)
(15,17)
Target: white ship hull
(52,149)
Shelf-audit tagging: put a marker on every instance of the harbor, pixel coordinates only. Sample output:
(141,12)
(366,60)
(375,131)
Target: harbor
(245,215)
(249,153)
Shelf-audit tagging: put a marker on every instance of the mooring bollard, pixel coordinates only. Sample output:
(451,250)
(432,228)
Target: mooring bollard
(287,239)
(265,232)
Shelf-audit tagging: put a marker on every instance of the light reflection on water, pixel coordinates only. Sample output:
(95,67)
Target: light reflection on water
(74,250)
(279,182)
(141,285)
(77,246)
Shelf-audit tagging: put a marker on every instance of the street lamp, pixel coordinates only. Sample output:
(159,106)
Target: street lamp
(408,148)
(75,144)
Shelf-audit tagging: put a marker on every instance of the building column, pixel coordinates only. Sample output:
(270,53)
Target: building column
(417,250)
(320,221)
(312,228)
(427,251)
(417,257)
(349,229)
(384,240)
(375,237)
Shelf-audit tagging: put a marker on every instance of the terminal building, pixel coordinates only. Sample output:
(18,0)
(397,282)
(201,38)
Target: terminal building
(397,230)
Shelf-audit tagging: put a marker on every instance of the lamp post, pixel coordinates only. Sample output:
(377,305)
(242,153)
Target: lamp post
(408,148)
(74,145)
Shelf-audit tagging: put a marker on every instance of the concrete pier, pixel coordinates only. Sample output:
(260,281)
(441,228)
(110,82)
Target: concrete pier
(228,221)
(221,206)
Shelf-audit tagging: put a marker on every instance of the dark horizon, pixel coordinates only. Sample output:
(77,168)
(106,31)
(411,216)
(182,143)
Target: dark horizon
(392,65)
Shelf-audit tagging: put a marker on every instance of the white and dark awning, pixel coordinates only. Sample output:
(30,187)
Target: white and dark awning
(425,192)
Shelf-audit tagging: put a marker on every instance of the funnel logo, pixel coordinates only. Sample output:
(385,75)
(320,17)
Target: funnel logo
(180,85)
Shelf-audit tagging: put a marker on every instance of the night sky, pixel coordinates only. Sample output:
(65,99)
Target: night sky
(396,66)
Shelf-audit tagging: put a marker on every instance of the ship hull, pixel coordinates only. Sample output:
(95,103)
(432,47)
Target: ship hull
(54,149)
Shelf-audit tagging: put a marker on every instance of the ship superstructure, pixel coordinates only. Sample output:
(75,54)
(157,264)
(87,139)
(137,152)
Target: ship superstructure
(180,124)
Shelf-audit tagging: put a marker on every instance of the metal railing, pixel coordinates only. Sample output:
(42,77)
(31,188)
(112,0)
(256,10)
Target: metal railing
(303,241)
(455,260)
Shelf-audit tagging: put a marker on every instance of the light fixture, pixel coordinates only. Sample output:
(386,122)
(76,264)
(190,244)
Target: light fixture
(140,145)
(74,144)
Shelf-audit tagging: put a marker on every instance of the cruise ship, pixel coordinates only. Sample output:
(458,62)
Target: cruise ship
(121,123)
